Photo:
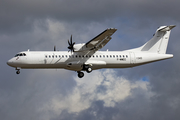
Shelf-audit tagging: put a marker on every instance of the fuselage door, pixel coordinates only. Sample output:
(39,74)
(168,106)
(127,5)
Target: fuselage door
(132,56)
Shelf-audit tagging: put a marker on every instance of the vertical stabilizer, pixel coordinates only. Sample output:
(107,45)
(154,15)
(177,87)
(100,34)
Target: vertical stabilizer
(159,42)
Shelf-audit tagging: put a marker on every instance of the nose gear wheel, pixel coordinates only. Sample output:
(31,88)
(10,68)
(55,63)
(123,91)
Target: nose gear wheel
(18,72)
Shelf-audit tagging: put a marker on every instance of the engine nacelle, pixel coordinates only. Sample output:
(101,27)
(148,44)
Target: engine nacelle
(80,47)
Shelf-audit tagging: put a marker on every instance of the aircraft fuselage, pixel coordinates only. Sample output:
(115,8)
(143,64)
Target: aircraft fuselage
(74,61)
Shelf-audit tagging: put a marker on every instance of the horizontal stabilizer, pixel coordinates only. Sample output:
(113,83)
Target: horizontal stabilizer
(166,28)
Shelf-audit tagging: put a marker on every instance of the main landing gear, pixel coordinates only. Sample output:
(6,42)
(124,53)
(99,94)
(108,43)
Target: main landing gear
(80,74)
(87,68)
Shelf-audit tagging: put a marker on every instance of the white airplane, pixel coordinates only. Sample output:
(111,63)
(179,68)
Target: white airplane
(86,57)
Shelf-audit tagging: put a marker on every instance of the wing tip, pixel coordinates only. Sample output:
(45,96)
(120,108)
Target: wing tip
(111,29)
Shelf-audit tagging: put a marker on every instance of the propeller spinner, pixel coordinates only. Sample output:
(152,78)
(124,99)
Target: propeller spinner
(71,45)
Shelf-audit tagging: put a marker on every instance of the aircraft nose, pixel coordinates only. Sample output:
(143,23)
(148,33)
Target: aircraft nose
(10,62)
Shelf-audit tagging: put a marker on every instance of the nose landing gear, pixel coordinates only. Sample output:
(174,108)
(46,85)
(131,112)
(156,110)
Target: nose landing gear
(18,71)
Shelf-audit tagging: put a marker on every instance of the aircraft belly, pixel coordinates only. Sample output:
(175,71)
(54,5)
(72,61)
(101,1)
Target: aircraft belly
(113,64)
(39,66)
(94,67)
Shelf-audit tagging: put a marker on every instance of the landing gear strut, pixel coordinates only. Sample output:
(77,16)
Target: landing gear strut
(80,74)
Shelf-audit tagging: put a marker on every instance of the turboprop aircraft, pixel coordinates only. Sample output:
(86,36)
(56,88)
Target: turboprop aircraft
(86,57)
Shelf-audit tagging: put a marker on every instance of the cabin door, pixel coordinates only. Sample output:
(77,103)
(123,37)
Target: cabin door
(133,60)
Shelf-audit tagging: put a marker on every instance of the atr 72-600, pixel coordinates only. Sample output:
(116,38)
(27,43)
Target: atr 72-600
(86,57)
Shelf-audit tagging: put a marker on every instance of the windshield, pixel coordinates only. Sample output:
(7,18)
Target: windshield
(20,54)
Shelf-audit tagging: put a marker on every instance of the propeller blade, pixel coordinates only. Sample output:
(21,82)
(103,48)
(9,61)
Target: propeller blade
(71,39)
(71,45)
(69,42)
(54,48)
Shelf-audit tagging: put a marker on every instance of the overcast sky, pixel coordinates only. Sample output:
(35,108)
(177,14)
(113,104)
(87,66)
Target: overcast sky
(146,92)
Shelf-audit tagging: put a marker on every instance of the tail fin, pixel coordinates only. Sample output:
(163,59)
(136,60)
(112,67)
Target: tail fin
(158,44)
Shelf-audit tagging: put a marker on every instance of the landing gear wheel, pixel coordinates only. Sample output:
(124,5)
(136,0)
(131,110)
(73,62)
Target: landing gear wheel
(89,69)
(18,71)
(80,74)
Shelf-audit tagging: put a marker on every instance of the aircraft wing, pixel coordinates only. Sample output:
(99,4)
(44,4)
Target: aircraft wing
(101,40)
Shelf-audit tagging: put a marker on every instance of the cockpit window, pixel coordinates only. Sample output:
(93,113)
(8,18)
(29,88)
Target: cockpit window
(20,54)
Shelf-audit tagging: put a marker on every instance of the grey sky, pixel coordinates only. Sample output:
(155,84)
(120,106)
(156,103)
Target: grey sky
(104,94)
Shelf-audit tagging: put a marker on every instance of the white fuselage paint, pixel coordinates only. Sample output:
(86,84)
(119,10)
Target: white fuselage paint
(74,61)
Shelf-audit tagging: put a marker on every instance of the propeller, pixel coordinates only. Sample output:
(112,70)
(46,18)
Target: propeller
(54,48)
(71,44)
